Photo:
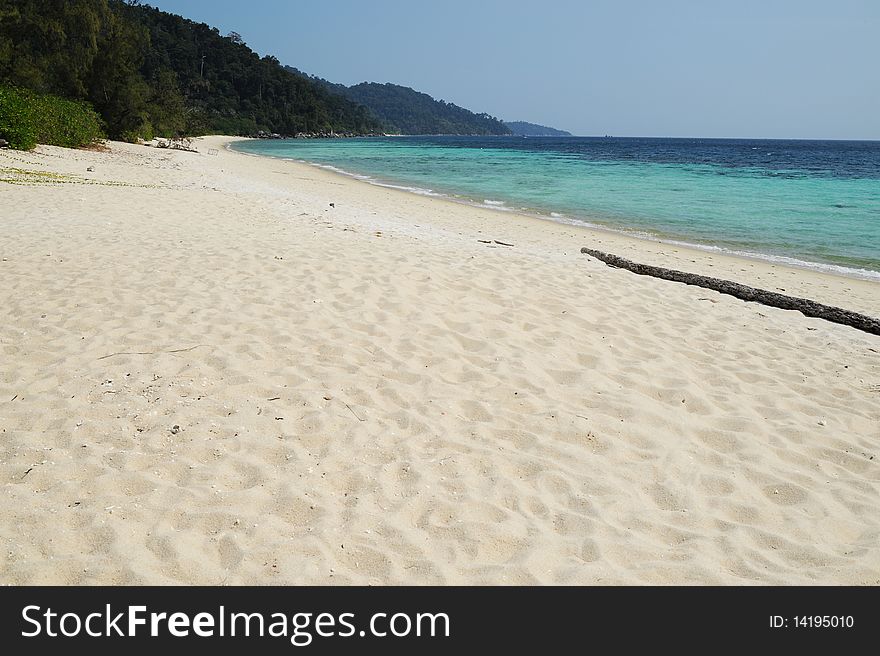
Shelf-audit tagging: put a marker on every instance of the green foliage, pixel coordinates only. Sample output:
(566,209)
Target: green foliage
(534,130)
(407,111)
(49,45)
(114,82)
(28,118)
(17,120)
(148,73)
(226,87)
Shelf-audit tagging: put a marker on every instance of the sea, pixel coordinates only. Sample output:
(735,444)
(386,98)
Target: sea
(813,204)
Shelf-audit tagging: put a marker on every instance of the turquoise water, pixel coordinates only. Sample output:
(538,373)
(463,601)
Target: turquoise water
(803,202)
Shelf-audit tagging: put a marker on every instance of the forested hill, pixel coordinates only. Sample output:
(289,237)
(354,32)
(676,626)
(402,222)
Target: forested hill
(525,129)
(407,111)
(148,71)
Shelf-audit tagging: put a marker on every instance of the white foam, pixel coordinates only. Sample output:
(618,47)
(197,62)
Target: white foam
(836,269)
(492,205)
(849,272)
(421,191)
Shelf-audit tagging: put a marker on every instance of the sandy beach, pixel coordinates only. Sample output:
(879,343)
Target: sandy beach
(217,368)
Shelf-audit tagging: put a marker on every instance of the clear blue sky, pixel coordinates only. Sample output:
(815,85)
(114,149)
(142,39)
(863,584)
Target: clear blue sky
(712,68)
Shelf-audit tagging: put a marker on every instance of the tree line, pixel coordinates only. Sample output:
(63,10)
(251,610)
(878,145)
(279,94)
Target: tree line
(148,72)
(406,111)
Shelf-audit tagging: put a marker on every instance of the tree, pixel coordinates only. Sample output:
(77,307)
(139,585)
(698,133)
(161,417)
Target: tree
(148,71)
(50,46)
(116,87)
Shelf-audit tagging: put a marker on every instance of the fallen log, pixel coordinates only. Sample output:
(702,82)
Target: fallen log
(744,292)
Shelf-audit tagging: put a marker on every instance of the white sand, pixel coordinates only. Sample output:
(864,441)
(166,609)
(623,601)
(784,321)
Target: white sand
(368,394)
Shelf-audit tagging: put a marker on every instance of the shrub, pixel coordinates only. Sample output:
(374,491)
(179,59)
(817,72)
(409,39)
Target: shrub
(28,118)
(148,133)
(17,119)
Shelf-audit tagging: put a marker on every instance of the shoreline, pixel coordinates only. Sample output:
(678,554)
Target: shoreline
(230,370)
(828,268)
(831,287)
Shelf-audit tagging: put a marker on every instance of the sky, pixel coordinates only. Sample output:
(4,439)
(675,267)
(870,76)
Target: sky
(679,68)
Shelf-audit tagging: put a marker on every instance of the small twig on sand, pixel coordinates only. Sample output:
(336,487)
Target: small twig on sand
(353,412)
(182,350)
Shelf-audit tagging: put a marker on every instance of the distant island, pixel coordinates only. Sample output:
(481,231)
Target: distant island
(524,129)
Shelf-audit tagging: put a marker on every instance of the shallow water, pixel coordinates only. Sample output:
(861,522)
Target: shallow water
(815,203)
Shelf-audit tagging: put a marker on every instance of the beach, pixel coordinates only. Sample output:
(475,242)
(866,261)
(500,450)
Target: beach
(227,369)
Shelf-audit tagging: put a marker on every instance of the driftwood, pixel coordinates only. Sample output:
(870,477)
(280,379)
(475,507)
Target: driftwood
(177,143)
(804,306)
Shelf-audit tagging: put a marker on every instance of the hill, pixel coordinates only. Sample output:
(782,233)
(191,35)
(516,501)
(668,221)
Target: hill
(522,128)
(404,110)
(147,71)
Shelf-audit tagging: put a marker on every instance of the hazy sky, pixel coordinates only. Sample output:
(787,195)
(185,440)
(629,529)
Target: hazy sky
(713,68)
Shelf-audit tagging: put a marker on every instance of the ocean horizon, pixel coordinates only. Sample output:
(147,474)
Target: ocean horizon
(807,203)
